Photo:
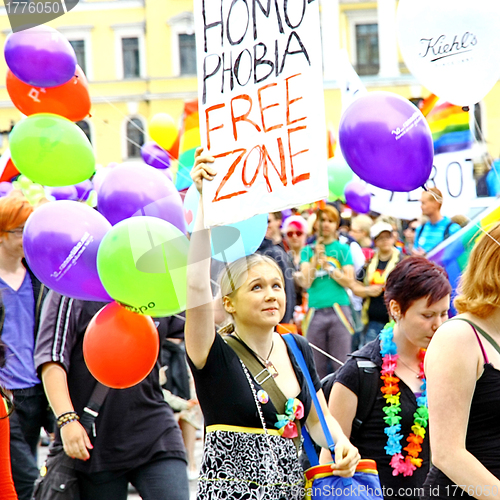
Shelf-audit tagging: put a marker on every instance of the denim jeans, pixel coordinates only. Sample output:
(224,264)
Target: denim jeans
(29,416)
(163,479)
(371,332)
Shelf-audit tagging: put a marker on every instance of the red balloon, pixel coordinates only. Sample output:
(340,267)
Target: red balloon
(71,100)
(9,172)
(120,347)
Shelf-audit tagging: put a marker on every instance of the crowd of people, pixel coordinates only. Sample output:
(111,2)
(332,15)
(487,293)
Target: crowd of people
(367,310)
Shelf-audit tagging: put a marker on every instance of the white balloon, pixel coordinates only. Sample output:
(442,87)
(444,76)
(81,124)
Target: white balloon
(452,46)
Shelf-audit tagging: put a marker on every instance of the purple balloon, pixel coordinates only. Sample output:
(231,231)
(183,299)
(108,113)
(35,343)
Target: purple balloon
(63,192)
(357,196)
(60,243)
(155,156)
(40,56)
(83,189)
(5,188)
(101,174)
(134,190)
(386,140)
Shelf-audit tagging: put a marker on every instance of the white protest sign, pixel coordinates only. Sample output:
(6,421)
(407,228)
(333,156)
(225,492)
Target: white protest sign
(452,174)
(261,105)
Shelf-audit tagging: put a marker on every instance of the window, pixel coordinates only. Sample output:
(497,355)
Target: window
(182,44)
(135,137)
(131,62)
(367,49)
(187,54)
(84,125)
(79,48)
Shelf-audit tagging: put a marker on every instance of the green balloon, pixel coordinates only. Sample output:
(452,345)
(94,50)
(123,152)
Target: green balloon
(51,150)
(339,174)
(142,264)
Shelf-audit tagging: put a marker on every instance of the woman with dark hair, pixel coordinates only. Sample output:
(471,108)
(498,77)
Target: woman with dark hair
(7,491)
(463,369)
(379,396)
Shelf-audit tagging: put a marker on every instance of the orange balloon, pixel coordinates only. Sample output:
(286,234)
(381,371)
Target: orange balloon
(120,347)
(71,100)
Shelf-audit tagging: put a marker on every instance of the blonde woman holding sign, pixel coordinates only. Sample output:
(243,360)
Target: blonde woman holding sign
(241,378)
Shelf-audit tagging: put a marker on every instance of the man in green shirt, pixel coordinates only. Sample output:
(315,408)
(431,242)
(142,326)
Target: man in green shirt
(327,267)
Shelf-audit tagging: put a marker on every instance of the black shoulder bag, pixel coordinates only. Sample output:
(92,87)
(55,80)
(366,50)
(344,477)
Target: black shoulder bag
(57,480)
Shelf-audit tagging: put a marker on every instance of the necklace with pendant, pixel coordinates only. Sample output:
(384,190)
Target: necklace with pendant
(417,374)
(266,362)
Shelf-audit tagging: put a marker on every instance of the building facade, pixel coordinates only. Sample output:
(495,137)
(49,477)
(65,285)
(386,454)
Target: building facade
(139,57)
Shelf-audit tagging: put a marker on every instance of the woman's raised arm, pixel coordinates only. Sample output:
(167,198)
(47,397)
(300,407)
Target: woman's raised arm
(200,329)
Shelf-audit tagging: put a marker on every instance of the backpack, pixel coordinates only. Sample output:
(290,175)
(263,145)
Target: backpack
(446,233)
(368,390)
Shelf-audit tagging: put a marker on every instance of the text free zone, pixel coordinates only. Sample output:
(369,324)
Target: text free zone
(250,163)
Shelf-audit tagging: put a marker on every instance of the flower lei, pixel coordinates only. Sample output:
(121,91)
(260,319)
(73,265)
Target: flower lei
(390,390)
(294,409)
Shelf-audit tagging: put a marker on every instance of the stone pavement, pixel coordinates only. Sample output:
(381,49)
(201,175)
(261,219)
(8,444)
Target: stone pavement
(133,495)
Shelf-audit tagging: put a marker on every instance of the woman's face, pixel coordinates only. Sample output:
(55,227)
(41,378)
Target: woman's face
(295,237)
(384,241)
(420,322)
(261,300)
(357,233)
(328,226)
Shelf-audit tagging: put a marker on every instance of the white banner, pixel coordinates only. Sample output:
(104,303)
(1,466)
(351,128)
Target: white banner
(261,105)
(452,174)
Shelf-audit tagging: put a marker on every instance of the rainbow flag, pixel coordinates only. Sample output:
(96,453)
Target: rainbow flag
(189,141)
(450,128)
(453,253)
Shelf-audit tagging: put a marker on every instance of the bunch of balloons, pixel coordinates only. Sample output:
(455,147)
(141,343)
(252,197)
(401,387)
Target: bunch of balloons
(45,83)
(454,51)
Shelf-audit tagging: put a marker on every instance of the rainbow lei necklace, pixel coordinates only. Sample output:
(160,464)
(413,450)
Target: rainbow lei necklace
(390,390)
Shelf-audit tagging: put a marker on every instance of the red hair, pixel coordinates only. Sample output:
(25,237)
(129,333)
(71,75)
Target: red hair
(414,278)
(14,211)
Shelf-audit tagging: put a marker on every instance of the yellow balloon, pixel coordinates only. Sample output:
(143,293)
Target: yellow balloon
(163,130)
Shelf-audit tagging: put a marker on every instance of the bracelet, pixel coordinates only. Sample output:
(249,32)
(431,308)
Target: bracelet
(66,418)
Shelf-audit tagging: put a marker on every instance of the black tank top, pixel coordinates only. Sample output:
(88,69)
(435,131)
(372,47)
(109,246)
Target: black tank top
(483,432)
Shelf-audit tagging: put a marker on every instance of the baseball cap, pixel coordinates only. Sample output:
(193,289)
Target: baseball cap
(295,221)
(379,228)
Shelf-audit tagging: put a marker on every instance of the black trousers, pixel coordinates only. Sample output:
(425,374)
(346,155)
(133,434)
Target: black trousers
(31,413)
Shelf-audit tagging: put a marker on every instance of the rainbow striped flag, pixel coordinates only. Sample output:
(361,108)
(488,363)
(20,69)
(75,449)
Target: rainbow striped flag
(453,253)
(450,128)
(189,141)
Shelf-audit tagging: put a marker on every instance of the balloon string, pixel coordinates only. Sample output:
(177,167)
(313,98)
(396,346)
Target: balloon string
(129,120)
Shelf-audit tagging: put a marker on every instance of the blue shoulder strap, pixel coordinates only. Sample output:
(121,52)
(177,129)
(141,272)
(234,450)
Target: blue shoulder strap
(303,366)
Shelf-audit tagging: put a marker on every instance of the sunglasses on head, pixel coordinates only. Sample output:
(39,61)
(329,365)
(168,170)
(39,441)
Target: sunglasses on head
(291,233)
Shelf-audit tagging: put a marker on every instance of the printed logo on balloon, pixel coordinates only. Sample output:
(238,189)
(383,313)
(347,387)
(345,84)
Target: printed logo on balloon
(453,49)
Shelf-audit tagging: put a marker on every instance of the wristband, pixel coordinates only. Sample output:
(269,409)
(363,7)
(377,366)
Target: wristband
(66,418)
